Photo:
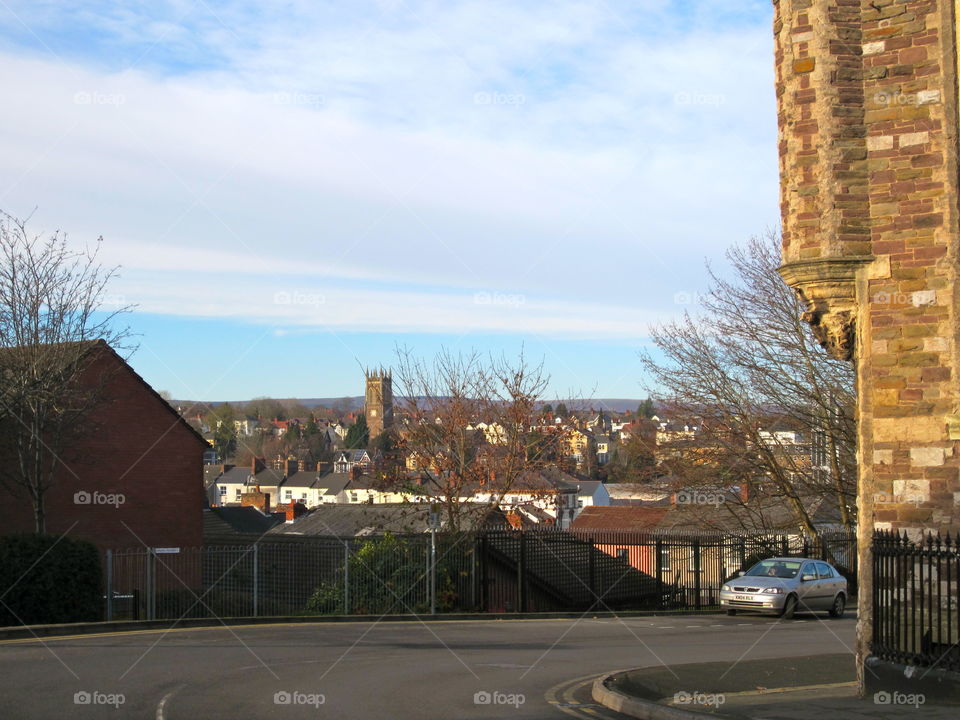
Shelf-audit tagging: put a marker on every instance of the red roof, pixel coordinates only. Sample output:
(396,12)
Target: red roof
(619,517)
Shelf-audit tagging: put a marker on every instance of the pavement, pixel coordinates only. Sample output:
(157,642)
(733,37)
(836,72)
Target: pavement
(811,687)
(416,670)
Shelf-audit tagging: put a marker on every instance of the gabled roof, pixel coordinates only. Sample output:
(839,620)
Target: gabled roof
(304,479)
(334,482)
(102,346)
(353,455)
(267,477)
(234,476)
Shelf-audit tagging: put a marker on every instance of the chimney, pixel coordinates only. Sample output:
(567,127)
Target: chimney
(743,490)
(257,499)
(225,467)
(295,510)
(323,467)
(356,472)
(257,465)
(292,466)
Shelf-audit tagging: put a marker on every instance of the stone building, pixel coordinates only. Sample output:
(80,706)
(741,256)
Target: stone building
(867,100)
(379,401)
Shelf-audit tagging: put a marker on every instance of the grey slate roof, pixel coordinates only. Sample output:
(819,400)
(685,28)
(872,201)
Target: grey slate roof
(352,520)
(235,476)
(266,478)
(303,479)
(237,521)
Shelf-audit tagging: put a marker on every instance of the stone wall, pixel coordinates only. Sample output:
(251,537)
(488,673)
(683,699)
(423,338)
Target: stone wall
(867,99)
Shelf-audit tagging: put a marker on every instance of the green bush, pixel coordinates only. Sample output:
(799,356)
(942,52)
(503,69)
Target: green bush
(387,574)
(48,579)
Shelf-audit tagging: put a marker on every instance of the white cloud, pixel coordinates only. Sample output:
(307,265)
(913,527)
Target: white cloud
(584,154)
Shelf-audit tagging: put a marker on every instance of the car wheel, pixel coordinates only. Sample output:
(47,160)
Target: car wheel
(731,612)
(839,605)
(789,607)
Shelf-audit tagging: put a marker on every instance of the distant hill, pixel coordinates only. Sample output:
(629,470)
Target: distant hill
(356,403)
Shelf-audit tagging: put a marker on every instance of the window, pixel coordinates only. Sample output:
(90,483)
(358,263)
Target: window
(665,558)
(289,494)
(223,489)
(303,496)
(824,571)
(808,569)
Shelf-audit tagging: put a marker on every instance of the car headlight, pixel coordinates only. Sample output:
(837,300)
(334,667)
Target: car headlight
(727,588)
(773,591)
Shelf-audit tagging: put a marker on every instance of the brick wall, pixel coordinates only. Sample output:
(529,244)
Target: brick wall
(867,97)
(868,159)
(135,446)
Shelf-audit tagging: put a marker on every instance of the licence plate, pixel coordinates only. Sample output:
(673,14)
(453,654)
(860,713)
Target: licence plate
(743,597)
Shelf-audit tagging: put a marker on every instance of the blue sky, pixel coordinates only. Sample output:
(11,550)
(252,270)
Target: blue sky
(294,188)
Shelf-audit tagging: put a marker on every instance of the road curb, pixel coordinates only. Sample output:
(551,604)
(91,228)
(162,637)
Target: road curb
(643,709)
(40,631)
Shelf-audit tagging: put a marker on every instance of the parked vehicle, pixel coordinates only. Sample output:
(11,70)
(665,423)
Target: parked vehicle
(783,585)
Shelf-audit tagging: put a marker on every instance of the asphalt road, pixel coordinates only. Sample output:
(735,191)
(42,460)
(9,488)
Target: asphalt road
(444,670)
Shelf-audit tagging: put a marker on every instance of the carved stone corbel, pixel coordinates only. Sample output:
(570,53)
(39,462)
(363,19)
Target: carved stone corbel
(827,287)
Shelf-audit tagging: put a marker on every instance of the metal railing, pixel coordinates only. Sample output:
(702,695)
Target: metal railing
(915,596)
(490,571)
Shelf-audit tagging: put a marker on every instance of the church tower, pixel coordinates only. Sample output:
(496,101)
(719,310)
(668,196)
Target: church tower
(379,401)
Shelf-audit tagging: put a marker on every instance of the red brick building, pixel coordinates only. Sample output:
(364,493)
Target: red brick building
(137,478)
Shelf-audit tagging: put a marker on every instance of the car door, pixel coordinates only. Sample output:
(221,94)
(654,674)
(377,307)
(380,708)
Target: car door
(807,591)
(829,583)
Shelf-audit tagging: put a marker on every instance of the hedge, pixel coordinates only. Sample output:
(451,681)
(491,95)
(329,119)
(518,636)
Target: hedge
(49,579)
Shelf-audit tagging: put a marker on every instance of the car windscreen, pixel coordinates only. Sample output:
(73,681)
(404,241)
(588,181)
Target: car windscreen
(775,568)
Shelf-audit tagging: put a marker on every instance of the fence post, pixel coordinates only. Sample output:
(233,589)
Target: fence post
(591,563)
(109,561)
(256,579)
(658,565)
(346,577)
(696,572)
(484,584)
(522,574)
(433,571)
(151,584)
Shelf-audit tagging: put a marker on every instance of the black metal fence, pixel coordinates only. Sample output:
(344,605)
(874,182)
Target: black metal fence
(915,596)
(492,571)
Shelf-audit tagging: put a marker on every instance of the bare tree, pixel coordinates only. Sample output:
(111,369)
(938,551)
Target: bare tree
(775,410)
(54,316)
(469,426)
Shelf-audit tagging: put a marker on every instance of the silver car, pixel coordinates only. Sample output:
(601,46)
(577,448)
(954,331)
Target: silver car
(781,586)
